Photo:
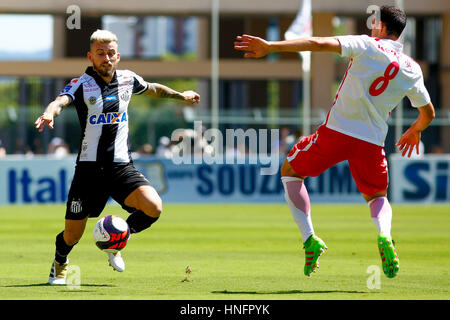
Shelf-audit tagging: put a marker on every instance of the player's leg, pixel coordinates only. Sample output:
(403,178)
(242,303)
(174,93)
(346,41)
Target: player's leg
(297,198)
(381,213)
(370,172)
(136,195)
(85,200)
(134,192)
(148,208)
(65,241)
(68,238)
(309,157)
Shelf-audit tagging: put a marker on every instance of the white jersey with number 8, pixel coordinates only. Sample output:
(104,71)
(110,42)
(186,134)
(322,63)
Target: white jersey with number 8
(378,77)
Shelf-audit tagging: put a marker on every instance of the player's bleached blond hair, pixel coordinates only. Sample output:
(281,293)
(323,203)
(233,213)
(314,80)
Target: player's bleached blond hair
(103,36)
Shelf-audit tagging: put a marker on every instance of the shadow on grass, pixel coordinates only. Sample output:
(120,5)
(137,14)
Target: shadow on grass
(288,292)
(56,286)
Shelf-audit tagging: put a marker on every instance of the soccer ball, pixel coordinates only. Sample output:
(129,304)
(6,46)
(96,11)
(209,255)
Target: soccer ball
(111,233)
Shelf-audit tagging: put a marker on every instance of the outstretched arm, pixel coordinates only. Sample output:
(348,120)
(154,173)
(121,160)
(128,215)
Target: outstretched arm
(52,111)
(411,137)
(257,47)
(156,90)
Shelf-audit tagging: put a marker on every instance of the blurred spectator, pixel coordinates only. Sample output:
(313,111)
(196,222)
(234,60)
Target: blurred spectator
(292,139)
(2,150)
(21,148)
(437,149)
(284,141)
(414,154)
(37,146)
(186,140)
(18,146)
(163,149)
(58,147)
(145,150)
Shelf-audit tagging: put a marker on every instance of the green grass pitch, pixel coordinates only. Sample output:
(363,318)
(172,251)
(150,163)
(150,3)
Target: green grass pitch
(235,252)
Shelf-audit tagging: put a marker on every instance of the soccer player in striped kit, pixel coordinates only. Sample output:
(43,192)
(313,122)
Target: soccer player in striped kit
(104,166)
(378,77)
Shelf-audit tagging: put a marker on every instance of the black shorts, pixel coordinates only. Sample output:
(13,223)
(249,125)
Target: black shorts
(93,184)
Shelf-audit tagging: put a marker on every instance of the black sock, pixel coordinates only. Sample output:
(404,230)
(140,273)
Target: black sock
(138,221)
(62,249)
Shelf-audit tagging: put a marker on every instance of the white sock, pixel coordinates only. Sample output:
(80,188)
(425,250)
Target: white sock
(381,213)
(297,199)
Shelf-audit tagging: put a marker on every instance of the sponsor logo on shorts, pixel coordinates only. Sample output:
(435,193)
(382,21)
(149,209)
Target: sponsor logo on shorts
(92,100)
(75,206)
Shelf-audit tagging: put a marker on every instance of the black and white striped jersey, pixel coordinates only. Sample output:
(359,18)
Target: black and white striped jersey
(103,114)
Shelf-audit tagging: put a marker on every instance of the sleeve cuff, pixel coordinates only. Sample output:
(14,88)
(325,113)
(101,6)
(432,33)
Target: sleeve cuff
(143,90)
(67,94)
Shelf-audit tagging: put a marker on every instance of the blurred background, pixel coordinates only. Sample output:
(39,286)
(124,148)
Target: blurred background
(188,45)
(170,42)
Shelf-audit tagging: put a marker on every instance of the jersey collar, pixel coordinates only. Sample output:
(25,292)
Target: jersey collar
(91,72)
(397,45)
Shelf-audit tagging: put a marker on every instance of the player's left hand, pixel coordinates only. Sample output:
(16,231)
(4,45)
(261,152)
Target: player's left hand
(409,140)
(191,97)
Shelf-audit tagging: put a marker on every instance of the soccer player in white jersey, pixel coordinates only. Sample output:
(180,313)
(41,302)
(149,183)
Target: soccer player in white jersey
(378,77)
(104,166)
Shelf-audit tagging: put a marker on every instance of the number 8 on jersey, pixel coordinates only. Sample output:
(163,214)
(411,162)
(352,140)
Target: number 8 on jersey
(388,75)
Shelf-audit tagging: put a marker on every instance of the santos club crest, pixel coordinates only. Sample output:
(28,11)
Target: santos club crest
(125,96)
(75,206)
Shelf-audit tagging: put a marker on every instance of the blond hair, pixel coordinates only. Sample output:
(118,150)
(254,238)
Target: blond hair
(103,36)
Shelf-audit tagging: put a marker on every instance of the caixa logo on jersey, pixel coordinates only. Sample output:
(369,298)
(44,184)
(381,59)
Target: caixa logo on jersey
(108,118)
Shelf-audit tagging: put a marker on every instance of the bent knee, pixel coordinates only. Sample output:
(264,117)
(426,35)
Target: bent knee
(378,194)
(156,209)
(147,200)
(151,206)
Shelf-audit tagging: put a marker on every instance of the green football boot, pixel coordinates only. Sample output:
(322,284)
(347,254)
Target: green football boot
(389,258)
(314,248)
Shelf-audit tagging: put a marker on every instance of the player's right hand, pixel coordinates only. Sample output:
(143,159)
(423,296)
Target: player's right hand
(191,97)
(45,118)
(255,47)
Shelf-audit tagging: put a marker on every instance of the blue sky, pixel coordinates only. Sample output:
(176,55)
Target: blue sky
(26,33)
